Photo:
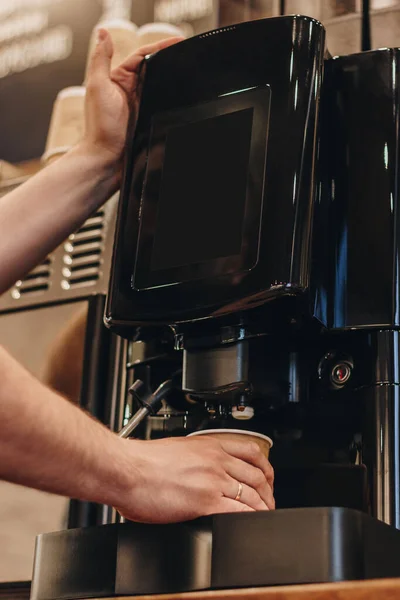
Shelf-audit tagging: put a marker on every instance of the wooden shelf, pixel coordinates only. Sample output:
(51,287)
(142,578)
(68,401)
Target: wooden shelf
(383,589)
(380,589)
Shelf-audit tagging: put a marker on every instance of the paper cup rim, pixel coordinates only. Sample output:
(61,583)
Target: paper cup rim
(160,27)
(240,431)
(114,23)
(72,92)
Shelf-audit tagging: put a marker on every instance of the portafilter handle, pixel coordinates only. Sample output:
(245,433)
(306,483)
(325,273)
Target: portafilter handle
(151,404)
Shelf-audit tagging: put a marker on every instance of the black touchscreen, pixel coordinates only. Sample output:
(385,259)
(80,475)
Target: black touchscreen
(202,197)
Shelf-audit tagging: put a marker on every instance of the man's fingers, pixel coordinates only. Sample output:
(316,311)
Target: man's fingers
(252,477)
(125,75)
(251,453)
(100,62)
(156,46)
(248,495)
(132,63)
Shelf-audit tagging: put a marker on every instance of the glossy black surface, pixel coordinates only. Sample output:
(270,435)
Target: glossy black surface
(287,55)
(203,191)
(360,157)
(221,551)
(381,450)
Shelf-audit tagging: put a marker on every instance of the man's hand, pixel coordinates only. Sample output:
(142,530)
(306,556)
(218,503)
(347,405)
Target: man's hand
(111,94)
(49,444)
(79,182)
(177,479)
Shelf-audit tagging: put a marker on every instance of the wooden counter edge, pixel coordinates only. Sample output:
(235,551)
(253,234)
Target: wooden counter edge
(377,589)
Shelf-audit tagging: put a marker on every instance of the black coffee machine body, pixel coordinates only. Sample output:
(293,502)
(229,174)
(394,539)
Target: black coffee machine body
(213,242)
(360,134)
(256,262)
(257,223)
(208,226)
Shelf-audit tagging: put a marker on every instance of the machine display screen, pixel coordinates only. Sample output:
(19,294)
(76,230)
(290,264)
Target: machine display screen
(203,191)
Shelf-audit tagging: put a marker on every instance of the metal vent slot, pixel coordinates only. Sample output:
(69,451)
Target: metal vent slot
(90,273)
(74,282)
(36,282)
(79,267)
(81,270)
(85,253)
(88,258)
(82,258)
(84,238)
(32,289)
(92,221)
(89,227)
(45,273)
(82,250)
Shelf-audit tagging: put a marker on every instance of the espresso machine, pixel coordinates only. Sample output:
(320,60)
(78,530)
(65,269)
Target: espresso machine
(256,267)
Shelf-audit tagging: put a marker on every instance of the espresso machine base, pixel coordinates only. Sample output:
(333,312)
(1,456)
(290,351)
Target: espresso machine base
(289,546)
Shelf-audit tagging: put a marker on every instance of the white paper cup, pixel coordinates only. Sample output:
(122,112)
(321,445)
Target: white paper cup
(263,441)
(67,123)
(9,171)
(155,32)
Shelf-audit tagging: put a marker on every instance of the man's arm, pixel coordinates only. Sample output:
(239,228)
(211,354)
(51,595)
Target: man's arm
(39,214)
(47,443)
(50,444)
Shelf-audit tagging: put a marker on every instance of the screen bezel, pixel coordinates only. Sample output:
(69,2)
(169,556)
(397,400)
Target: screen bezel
(258,99)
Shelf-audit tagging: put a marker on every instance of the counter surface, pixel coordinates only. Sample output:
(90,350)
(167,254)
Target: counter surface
(384,589)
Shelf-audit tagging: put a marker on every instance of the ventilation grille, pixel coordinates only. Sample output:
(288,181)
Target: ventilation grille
(82,258)
(35,283)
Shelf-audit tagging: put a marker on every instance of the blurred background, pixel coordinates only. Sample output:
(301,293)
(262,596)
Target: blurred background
(44,46)
(44,49)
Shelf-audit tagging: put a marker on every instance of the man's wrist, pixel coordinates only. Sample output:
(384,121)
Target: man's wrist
(106,161)
(125,475)
(102,170)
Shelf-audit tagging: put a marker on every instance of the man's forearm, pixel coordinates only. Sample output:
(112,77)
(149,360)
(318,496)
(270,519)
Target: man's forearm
(49,444)
(38,215)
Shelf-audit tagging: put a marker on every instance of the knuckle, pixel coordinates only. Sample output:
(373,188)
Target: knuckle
(255,500)
(208,468)
(252,496)
(214,475)
(215,450)
(93,83)
(271,502)
(259,478)
(207,442)
(254,450)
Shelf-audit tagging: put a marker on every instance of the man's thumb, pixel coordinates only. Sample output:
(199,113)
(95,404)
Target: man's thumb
(100,61)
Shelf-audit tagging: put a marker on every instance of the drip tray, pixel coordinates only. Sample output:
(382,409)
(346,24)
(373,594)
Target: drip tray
(290,546)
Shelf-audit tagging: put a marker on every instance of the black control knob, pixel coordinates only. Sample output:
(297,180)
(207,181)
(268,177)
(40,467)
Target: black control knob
(335,369)
(341,373)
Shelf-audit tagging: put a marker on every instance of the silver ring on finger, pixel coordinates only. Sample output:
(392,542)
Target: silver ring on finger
(239,492)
